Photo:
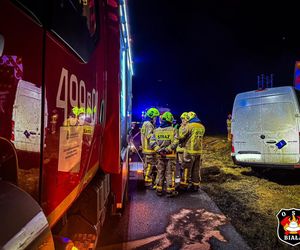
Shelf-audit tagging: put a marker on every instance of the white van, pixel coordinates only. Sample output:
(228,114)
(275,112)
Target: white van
(26,118)
(265,128)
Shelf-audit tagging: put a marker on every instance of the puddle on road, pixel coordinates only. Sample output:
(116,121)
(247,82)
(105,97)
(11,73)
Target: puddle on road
(189,229)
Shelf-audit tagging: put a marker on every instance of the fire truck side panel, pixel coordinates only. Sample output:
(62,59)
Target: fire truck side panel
(21,71)
(111,151)
(112,159)
(68,151)
(71,157)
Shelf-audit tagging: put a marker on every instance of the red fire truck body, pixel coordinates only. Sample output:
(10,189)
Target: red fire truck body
(65,101)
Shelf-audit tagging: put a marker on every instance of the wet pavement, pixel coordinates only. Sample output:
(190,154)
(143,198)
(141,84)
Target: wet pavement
(188,221)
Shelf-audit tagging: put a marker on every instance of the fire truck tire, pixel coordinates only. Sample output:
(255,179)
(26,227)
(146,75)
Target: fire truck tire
(23,223)
(8,161)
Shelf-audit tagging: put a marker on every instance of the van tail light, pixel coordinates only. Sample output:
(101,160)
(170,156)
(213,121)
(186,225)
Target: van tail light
(12,131)
(232,147)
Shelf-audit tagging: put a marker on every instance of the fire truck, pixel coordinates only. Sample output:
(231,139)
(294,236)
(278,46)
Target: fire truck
(65,109)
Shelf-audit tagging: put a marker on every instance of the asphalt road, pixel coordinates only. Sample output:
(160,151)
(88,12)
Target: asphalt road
(188,221)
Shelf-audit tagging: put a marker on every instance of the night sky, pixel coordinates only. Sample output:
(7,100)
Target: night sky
(197,55)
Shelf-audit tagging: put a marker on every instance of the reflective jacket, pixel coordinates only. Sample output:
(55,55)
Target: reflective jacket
(180,148)
(165,137)
(146,133)
(228,121)
(192,137)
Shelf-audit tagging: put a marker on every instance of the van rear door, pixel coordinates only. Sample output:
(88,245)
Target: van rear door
(280,129)
(247,130)
(27,128)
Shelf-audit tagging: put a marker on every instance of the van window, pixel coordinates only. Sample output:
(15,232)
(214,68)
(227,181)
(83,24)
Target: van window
(278,116)
(76,23)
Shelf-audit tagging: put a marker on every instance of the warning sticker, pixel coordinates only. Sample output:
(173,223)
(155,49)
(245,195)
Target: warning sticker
(70,143)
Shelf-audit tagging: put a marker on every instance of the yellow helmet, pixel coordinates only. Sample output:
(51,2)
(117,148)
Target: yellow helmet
(167,116)
(184,115)
(191,115)
(152,112)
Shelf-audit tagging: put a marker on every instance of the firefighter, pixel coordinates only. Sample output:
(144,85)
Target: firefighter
(192,137)
(53,122)
(148,152)
(179,149)
(228,122)
(164,141)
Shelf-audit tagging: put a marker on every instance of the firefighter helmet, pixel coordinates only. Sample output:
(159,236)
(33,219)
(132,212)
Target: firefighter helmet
(184,115)
(152,112)
(167,116)
(191,115)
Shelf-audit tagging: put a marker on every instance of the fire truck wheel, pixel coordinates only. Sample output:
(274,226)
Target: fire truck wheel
(23,223)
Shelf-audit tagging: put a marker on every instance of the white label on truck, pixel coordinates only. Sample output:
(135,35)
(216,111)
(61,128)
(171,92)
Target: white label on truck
(70,144)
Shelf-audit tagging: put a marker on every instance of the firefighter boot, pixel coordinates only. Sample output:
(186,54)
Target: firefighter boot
(172,193)
(148,184)
(159,191)
(194,187)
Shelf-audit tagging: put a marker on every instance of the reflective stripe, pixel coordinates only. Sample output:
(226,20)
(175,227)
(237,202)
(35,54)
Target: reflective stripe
(148,151)
(193,151)
(159,188)
(170,188)
(147,179)
(28,233)
(185,175)
(173,179)
(196,183)
(179,149)
(183,183)
(193,140)
(156,179)
(173,155)
(145,143)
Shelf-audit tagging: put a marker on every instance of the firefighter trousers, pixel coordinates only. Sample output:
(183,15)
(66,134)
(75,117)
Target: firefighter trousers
(180,162)
(150,162)
(229,133)
(166,168)
(191,170)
